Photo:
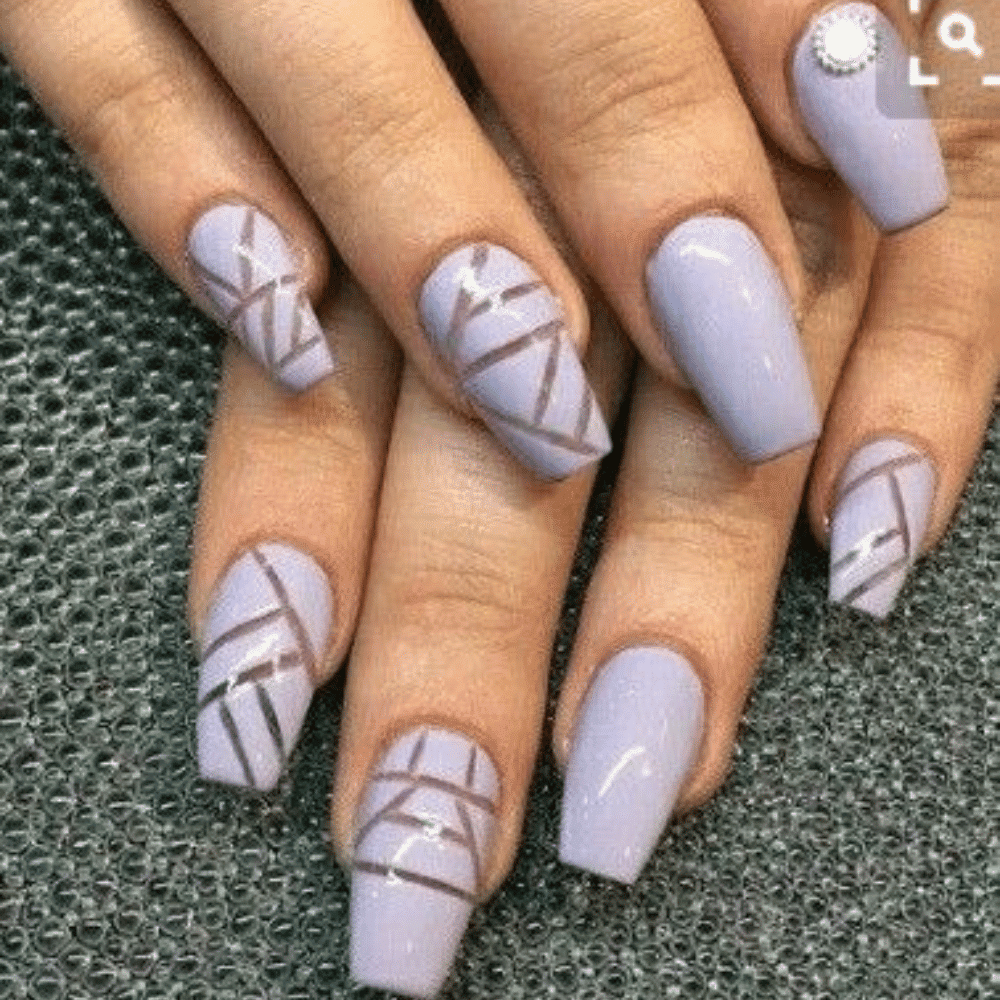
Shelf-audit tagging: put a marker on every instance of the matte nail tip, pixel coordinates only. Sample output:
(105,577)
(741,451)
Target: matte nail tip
(877,604)
(220,764)
(390,949)
(804,431)
(551,461)
(895,219)
(624,868)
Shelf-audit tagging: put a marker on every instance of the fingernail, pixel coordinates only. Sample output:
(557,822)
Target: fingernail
(849,66)
(424,841)
(502,333)
(636,740)
(269,621)
(882,510)
(728,323)
(249,272)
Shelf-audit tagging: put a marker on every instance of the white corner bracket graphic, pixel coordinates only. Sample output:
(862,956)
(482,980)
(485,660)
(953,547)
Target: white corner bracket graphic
(917,77)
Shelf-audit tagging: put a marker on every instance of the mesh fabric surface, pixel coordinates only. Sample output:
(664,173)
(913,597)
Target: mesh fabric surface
(853,853)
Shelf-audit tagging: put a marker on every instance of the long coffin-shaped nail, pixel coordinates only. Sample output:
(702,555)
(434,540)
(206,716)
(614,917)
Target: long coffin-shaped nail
(636,740)
(248,270)
(502,333)
(851,78)
(882,510)
(424,839)
(728,323)
(269,621)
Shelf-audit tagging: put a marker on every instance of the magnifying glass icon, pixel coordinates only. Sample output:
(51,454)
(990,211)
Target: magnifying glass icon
(964,38)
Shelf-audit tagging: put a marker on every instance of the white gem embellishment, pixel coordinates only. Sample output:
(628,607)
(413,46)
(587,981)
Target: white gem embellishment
(845,41)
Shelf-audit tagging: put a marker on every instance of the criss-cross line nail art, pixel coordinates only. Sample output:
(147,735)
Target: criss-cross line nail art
(269,622)
(882,510)
(424,839)
(247,268)
(502,333)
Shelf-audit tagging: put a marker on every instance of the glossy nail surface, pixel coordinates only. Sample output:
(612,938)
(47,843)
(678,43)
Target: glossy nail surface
(636,740)
(848,69)
(879,520)
(728,323)
(423,841)
(248,270)
(502,333)
(269,620)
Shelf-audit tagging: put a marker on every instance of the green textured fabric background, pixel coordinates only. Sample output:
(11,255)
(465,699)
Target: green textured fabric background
(852,854)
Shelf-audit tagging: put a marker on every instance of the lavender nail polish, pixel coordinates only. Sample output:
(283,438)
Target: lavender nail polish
(881,514)
(269,621)
(424,839)
(728,323)
(848,67)
(503,334)
(635,742)
(248,270)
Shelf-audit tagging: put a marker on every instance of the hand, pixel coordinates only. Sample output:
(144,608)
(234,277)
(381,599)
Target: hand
(453,615)
(217,131)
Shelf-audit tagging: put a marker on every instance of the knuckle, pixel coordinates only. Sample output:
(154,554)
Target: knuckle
(460,586)
(942,351)
(126,113)
(732,546)
(379,121)
(622,87)
(973,155)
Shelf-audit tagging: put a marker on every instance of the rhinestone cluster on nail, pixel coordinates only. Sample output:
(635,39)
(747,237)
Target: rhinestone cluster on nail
(845,41)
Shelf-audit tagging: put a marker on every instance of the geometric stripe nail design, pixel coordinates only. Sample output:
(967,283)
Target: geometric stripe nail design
(269,621)
(881,513)
(247,268)
(424,837)
(502,333)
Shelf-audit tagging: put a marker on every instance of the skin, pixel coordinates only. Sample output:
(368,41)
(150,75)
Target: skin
(447,561)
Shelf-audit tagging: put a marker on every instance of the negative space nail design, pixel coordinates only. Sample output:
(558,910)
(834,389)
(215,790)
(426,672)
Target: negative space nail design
(881,513)
(851,78)
(502,333)
(423,842)
(268,624)
(728,323)
(635,742)
(248,270)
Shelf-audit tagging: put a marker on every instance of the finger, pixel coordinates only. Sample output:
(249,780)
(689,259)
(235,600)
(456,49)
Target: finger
(183,167)
(680,603)
(285,518)
(421,208)
(833,83)
(912,406)
(640,136)
(446,686)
